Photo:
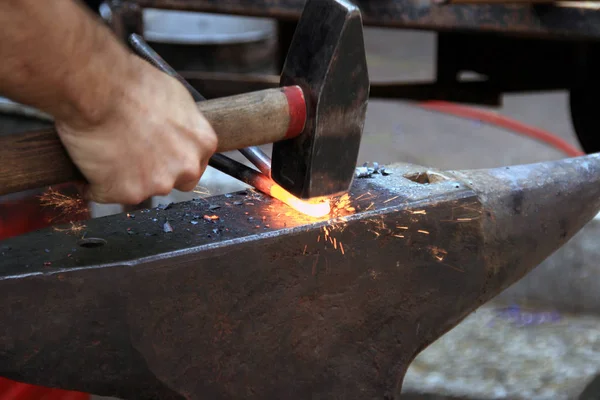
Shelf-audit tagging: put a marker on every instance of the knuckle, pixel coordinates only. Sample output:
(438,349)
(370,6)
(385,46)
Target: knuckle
(133,194)
(187,186)
(162,186)
(211,142)
(190,170)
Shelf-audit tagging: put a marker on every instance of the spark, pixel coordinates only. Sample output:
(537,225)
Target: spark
(419,212)
(370,206)
(211,218)
(361,196)
(423,232)
(319,239)
(388,200)
(335,243)
(402,227)
(342,248)
(399,236)
(365,194)
(67,205)
(75,228)
(438,253)
(201,191)
(453,267)
(375,233)
(464,219)
(304,252)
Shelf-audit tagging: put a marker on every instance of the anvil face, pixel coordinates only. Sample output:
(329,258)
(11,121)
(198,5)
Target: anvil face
(282,306)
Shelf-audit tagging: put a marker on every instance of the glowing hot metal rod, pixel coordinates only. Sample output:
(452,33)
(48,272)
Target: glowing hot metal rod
(259,301)
(316,209)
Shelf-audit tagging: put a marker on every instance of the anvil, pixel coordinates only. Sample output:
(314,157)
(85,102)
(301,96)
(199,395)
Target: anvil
(243,298)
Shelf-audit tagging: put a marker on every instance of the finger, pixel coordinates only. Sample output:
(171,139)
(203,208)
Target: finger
(187,186)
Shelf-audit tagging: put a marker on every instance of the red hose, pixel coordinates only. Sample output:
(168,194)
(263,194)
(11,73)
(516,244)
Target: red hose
(505,123)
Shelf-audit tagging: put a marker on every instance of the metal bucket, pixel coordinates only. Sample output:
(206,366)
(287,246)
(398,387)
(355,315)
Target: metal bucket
(212,42)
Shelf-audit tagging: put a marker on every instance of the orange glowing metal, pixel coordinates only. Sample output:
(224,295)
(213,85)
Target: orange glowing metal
(312,209)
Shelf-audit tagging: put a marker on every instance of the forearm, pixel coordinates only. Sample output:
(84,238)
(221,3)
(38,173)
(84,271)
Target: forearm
(57,57)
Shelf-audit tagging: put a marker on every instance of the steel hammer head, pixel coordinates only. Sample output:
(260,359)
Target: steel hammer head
(327,60)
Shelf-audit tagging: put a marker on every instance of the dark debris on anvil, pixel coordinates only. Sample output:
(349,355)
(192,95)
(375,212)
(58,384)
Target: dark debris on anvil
(164,206)
(213,207)
(366,172)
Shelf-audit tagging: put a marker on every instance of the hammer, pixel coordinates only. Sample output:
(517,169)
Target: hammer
(315,119)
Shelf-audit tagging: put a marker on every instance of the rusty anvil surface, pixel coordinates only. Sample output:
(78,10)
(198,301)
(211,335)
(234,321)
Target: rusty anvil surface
(525,19)
(263,303)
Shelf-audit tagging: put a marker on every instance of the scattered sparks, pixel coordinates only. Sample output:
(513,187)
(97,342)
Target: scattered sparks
(423,232)
(328,236)
(67,205)
(342,205)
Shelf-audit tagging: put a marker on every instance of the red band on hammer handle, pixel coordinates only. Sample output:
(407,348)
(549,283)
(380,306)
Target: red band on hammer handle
(297,110)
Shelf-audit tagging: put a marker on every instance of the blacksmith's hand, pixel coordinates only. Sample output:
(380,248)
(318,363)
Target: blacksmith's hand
(152,140)
(133,131)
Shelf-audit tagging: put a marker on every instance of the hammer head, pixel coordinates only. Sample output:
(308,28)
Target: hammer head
(327,60)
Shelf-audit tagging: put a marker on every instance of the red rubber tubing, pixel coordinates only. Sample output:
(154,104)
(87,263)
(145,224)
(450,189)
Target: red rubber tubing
(503,122)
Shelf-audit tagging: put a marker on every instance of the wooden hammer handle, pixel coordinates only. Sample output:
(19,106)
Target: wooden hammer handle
(37,159)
